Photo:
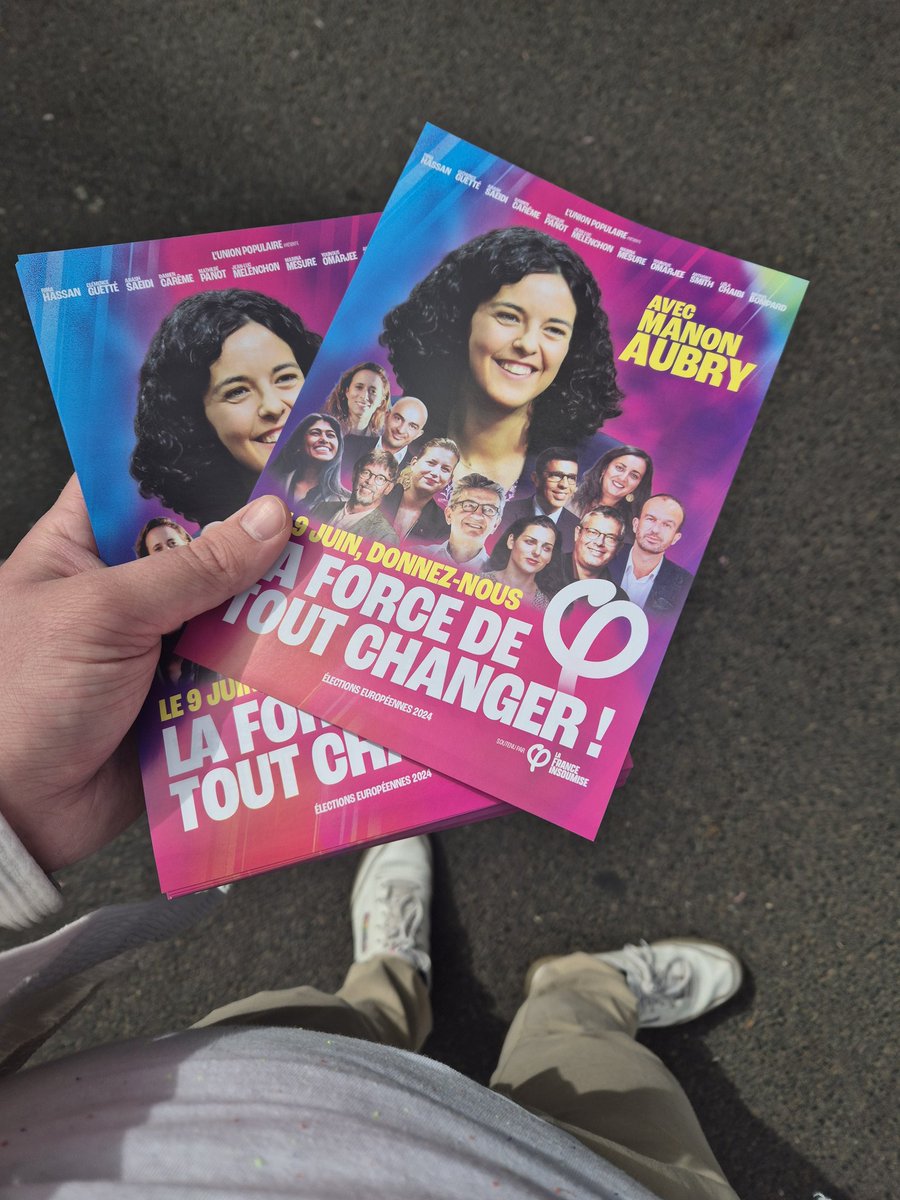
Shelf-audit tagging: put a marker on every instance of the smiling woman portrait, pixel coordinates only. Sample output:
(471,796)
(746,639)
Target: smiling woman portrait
(507,344)
(309,466)
(217,385)
(361,399)
(411,507)
(621,479)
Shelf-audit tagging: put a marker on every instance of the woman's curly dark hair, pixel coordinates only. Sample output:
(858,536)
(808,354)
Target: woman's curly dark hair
(590,490)
(502,552)
(178,456)
(427,335)
(336,400)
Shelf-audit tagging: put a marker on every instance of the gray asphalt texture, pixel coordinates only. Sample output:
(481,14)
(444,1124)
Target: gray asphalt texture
(759,812)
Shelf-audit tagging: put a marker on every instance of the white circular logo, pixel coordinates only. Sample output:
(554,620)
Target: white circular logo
(538,756)
(574,659)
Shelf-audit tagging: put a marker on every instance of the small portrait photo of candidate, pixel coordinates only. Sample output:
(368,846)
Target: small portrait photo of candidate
(598,536)
(411,506)
(360,400)
(374,476)
(404,424)
(555,478)
(622,479)
(160,533)
(650,579)
(309,466)
(522,557)
(473,512)
(403,429)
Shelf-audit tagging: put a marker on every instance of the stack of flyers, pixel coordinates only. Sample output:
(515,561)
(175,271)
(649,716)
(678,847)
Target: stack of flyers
(505,464)
(174,365)
(491,583)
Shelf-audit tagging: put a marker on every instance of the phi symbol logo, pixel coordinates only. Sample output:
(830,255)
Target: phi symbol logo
(574,659)
(538,756)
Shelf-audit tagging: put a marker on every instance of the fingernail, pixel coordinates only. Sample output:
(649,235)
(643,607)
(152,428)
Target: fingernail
(264,518)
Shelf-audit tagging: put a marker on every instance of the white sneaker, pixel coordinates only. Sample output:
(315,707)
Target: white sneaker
(391,902)
(677,979)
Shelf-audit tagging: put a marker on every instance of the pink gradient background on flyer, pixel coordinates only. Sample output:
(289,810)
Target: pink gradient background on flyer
(695,433)
(489,769)
(93,348)
(215,834)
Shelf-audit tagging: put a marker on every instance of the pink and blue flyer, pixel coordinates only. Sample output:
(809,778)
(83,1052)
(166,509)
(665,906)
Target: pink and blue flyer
(174,365)
(494,585)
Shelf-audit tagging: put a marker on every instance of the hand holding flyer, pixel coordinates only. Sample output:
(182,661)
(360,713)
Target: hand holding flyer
(507,580)
(189,354)
(68,774)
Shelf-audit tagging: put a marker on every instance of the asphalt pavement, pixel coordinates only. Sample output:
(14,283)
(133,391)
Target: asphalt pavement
(759,812)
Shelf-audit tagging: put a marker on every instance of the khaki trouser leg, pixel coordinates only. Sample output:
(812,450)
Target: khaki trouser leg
(570,1054)
(383,1000)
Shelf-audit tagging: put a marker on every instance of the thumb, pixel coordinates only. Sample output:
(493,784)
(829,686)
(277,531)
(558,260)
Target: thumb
(162,591)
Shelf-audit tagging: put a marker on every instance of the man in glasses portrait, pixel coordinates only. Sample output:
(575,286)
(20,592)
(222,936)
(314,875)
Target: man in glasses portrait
(555,479)
(598,535)
(473,513)
(374,475)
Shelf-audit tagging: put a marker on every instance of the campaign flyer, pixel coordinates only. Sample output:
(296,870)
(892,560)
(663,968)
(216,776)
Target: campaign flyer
(496,596)
(174,365)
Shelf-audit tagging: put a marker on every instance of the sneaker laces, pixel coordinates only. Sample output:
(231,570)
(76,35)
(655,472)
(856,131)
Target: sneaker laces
(656,990)
(401,916)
